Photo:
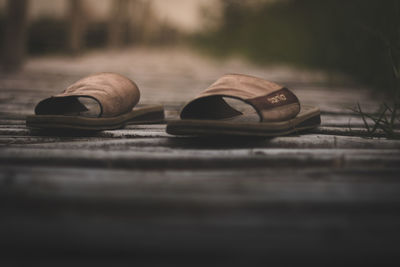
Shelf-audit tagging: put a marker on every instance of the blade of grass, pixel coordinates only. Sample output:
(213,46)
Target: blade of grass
(363,118)
(377,123)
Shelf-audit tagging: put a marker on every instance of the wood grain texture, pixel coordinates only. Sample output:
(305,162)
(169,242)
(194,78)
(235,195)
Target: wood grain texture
(138,196)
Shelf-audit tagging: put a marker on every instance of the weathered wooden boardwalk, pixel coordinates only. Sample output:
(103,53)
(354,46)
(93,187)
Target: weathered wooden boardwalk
(329,197)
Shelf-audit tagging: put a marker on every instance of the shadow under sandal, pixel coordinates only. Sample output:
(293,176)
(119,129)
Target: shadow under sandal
(278,111)
(98,102)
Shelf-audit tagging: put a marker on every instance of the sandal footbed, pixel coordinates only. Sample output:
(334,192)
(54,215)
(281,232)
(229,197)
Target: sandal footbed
(150,114)
(308,118)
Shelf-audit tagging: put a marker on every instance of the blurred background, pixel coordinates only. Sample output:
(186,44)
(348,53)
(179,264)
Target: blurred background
(139,193)
(357,38)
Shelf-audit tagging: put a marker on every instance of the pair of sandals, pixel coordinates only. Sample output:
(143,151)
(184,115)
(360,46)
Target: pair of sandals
(108,101)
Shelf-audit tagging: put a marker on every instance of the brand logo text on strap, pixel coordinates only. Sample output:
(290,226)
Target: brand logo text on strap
(277,99)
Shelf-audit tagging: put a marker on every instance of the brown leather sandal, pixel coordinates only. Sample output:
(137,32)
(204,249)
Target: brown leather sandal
(98,102)
(276,108)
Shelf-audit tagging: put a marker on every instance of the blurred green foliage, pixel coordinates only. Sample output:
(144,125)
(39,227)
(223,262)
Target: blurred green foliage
(350,36)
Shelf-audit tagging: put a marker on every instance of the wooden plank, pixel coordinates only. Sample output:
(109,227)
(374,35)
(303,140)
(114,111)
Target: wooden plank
(155,137)
(179,80)
(355,132)
(345,121)
(20,124)
(140,193)
(77,211)
(8,141)
(69,236)
(221,186)
(150,158)
(11,128)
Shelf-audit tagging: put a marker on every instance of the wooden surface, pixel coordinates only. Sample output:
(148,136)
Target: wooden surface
(138,195)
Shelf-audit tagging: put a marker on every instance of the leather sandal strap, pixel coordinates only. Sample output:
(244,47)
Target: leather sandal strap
(114,93)
(272,102)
